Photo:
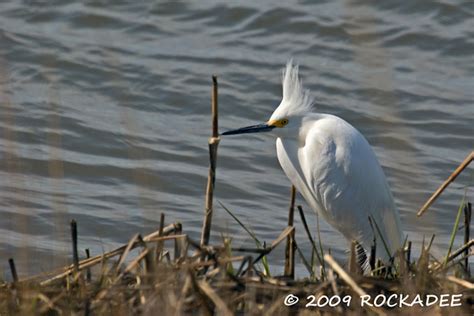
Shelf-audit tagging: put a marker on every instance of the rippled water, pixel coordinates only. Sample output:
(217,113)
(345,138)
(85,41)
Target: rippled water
(104,113)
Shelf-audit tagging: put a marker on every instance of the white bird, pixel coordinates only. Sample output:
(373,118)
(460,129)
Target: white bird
(334,168)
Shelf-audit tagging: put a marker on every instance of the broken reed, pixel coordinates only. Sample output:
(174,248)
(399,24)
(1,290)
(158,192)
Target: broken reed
(211,178)
(445,184)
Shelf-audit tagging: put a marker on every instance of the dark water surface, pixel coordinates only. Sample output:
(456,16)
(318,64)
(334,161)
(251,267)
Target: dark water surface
(104,113)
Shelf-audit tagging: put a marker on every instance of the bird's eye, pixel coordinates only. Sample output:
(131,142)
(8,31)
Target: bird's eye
(284,122)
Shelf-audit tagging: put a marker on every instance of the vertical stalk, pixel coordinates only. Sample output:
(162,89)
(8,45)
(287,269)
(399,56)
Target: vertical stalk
(159,244)
(409,255)
(467,224)
(290,245)
(88,273)
(178,243)
(455,229)
(75,254)
(373,252)
(213,144)
(11,262)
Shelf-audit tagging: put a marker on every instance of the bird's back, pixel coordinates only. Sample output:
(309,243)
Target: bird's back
(335,169)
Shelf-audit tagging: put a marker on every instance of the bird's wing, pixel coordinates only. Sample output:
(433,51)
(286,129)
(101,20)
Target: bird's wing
(337,173)
(351,185)
(287,152)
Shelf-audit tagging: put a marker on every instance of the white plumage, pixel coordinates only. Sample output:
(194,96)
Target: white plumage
(334,168)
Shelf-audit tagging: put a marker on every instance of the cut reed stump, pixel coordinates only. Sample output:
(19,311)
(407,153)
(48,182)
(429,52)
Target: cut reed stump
(88,271)
(75,253)
(213,144)
(408,250)
(11,263)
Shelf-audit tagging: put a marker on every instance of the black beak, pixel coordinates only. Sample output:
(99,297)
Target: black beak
(250,129)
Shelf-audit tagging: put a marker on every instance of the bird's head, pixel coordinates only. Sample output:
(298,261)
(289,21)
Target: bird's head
(296,103)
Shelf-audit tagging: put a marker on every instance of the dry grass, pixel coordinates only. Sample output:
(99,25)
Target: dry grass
(167,273)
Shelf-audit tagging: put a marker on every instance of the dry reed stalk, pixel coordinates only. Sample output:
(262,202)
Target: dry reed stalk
(373,254)
(284,234)
(464,283)
(88,273)
(169,229)
(467,228)
(207,308)
(343,274)
(462,249)
(403,270)
(86,263)
(182,297)
(75,254)
(266,250)
(49,304)
(135,262)
(437,266)
(221,306)
(178,245)
(102,294)
(164,238)
(213,144)
(159,244)
(124,254)
(149,259)
(11,263)
(445,184)
(332,280)
(409,253)
(290,246)
(448,267)
(349,281)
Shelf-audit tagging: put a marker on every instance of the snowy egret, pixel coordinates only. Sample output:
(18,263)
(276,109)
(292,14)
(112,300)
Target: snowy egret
(334,168)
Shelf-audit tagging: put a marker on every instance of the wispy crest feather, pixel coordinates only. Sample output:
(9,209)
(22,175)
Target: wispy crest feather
(295,97)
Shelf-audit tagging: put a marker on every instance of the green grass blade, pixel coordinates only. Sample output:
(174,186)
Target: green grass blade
(251,234)
(381,236)
(315,251)
(320,246)
(266,265)
(303,258)
(455,229)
